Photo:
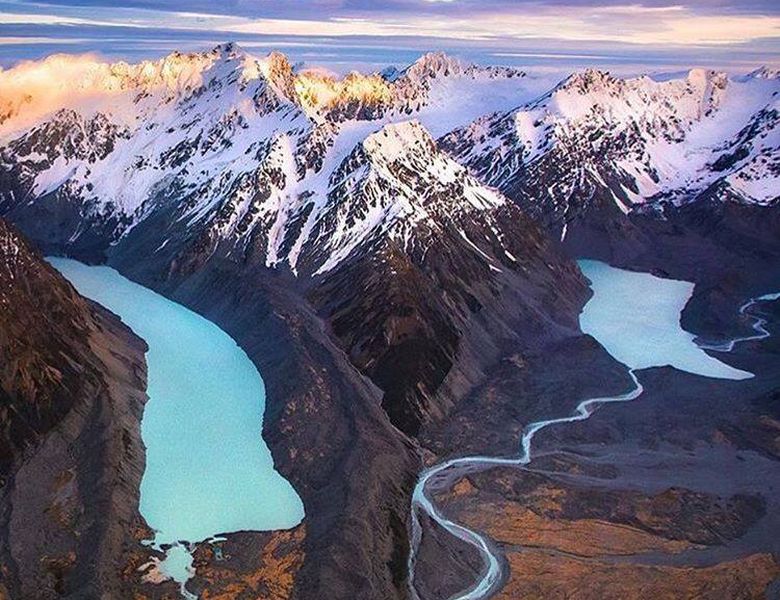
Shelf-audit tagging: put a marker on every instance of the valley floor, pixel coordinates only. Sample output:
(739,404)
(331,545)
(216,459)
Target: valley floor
(672,496)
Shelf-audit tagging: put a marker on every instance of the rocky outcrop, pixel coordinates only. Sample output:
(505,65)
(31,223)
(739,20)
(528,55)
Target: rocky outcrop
(250,565)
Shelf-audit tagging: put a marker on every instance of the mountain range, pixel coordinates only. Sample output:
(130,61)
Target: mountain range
(389,249)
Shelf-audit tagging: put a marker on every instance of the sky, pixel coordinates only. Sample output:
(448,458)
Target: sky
(649,36)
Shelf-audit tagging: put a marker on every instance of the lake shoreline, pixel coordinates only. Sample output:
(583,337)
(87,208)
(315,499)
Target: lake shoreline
(205,408)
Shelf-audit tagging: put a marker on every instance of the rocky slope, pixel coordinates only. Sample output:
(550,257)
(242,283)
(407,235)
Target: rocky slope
(72,388)
(456,273)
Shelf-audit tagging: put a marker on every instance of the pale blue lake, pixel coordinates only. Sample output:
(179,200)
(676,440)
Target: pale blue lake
(208,470)
(636,317)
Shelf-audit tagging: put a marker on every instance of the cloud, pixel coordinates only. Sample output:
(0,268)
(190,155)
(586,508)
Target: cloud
(32,18)
(653,22)
(625,24)
(255,8)
(699,31)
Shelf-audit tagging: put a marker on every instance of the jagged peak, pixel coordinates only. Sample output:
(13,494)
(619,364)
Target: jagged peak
(356,95)
(435,64)
(177,66)
(439,65)
(229,50)
(590,80)
(88,72)
(395,139)
(390,73)
(703,77)
(576,95)
(594,80)
(278,71)
(764,72)
(33,89)
(277,62)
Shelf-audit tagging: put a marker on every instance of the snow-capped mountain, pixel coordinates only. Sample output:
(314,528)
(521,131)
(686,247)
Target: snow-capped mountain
(631,142)
(295,166)
(171,167)
(261,158)
(400,188)
(114,135)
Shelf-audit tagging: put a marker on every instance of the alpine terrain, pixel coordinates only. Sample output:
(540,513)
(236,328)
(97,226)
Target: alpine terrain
(396,252)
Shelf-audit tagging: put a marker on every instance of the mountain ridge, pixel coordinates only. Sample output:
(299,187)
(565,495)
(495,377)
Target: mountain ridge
(637,143)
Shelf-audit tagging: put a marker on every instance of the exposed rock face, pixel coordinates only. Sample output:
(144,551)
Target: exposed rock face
(40,378)
(457,273)
(72,384)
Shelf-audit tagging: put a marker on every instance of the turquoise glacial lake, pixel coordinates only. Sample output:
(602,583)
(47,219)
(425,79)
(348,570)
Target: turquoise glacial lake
(636,317)
(208,470)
